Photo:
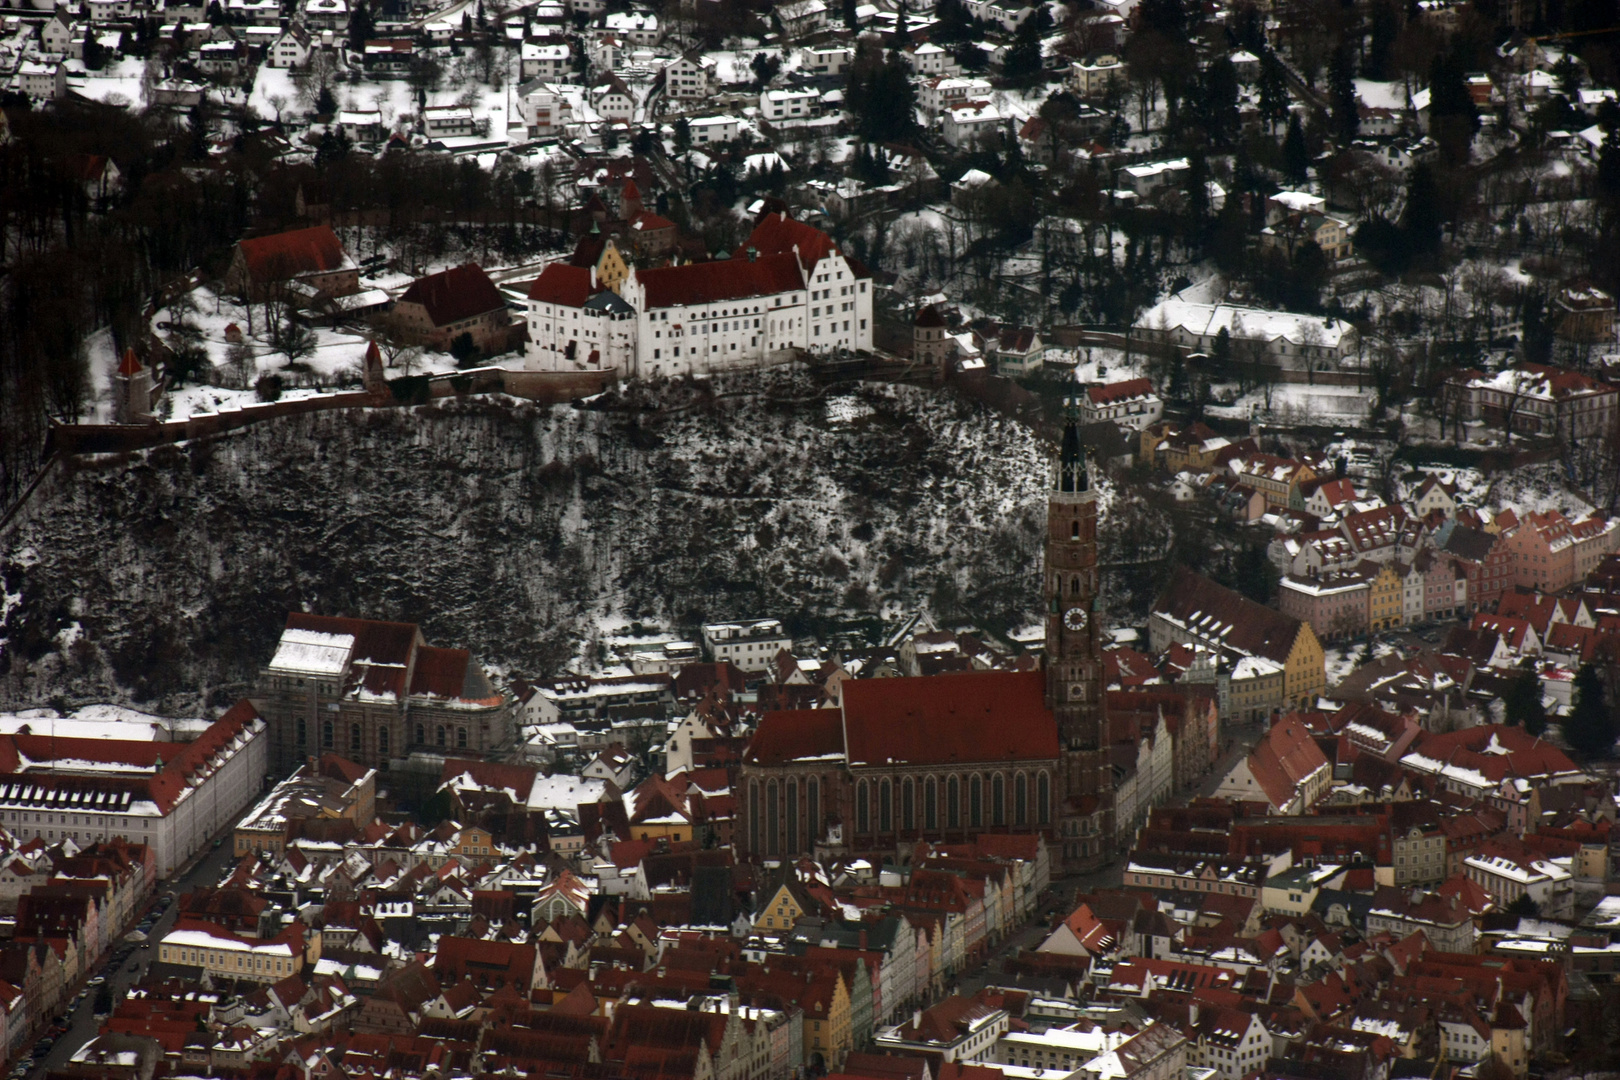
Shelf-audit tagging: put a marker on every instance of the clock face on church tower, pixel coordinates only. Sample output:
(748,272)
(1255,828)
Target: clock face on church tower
(1075,619)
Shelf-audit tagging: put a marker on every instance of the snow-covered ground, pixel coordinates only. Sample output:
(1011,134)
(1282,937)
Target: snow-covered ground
(1296,403)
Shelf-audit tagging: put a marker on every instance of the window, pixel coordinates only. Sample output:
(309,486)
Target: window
(438,735)
(793,845)
(301,734)
(382,740)
(812,815)
(908,806)
(975,802)
(421,735)
(863,812)
(753,816)
(998,804)
(461,737)
(953,804)
(885,806)
(930,805)
(773,820)
(354,738)
(1020,800)
(326,734)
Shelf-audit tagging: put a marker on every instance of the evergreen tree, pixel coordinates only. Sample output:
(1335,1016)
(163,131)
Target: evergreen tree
(850,16)
(1023,63)
(361,28)
(1608,170)
(1342,94)
(325,103)
(1422,219)
(465,352)
(1167,17)
(95,56)
(1386,27)
(1220,100)
(1273,90)
(1220,354)
(1296,155)
(1522,705)
(1590,728)
(1453,117)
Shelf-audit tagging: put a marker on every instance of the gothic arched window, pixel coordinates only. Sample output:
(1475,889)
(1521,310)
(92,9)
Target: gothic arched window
(998,800)
(1043,799)
(930,805)
(1020,800)
(908,805)
(953,804)
(863,812)
(885,806)
(975,802)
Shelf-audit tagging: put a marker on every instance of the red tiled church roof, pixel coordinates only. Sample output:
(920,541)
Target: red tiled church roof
(797,735)
(945,719)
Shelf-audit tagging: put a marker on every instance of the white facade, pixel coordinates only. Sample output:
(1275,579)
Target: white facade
(545,61)
(707,317)
(714,129)
(970,122)
(635,27)
(786,106)
(291,50)
(447,122)
(937,95)
(688,78)
(209,802)
(752,646)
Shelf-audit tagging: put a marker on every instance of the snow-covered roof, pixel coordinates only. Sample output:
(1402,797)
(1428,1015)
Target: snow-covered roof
(312,652)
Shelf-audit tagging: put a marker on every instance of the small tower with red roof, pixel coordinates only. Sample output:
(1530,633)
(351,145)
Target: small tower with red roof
(371,371)
(132,391)
(629,200)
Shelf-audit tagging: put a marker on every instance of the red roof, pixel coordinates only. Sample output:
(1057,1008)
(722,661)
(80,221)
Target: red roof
(647,221)
(284,255)
(1119,391)
(777,234)
(130,364)
(461,292)
(382,650)
(797,735)
(723,279)
(946,719)
(562,284)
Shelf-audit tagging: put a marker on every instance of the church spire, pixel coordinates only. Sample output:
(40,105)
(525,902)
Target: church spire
(1072,475)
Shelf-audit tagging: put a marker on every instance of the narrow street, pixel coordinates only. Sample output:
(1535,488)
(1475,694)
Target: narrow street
(83,1024)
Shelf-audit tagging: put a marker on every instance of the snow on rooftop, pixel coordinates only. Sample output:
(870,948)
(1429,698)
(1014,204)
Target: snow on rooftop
(312,652)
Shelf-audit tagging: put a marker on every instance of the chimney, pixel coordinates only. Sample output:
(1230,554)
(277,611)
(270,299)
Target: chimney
(916,1018)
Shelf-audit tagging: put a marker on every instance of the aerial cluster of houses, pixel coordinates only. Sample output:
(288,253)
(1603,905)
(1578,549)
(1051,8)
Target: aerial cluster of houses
(1359,895)
(337,939)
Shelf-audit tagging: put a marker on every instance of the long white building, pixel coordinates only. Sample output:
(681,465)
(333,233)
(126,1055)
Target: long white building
(788,288)
(171,796)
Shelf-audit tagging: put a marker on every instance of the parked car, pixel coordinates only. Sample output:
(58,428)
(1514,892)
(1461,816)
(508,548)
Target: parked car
(99,980)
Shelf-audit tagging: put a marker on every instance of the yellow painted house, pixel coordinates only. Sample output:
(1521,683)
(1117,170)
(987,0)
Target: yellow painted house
(1384,600)
(783,911)
(826,1020)
(1274,660)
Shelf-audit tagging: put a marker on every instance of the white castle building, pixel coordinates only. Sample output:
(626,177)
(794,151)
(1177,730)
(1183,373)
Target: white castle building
(789,287)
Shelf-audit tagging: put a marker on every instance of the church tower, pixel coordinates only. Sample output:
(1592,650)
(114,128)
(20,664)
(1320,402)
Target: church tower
(1073,660)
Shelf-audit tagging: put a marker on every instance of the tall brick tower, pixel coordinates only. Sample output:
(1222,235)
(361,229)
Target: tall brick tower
(1073,660)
